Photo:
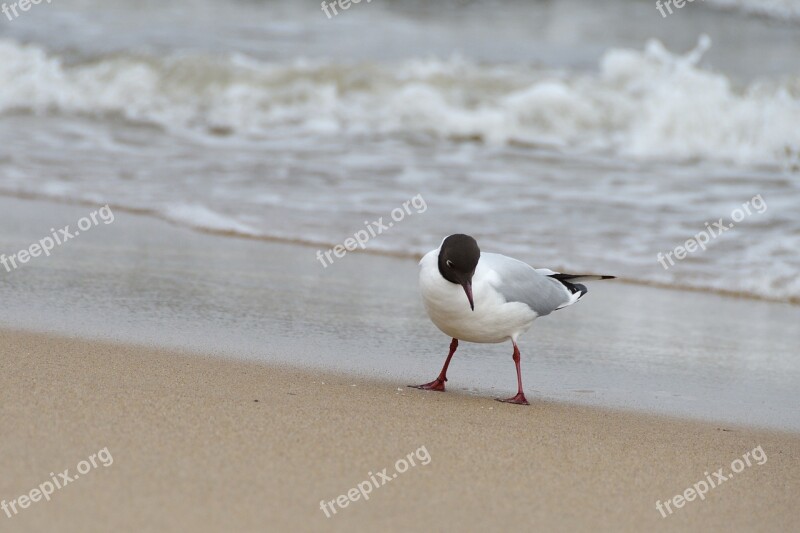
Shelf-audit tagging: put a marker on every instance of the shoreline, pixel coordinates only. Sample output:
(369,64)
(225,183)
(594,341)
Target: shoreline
(389,384)
(149,283)
(167,418)
(307,243)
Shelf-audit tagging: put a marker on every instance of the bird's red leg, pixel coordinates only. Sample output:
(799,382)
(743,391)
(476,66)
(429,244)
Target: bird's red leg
(519,399)
(438,383)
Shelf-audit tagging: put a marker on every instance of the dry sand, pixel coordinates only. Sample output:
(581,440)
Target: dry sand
(194,451)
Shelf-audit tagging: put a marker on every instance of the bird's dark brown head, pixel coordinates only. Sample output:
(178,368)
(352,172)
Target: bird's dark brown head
(458,258)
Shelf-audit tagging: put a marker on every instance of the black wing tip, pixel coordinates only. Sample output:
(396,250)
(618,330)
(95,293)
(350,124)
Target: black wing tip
(573,286)
(567,277)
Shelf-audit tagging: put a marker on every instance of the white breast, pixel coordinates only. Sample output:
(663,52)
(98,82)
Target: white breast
(493,320)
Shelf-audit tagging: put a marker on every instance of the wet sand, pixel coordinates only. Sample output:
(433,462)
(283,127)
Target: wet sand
(146,282)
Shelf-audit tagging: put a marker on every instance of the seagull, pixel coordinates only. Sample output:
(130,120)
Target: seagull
(503,298)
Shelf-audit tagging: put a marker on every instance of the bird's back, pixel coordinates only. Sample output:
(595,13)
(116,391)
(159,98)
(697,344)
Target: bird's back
(519,282)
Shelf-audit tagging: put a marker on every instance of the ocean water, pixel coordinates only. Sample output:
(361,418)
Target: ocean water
(575,135)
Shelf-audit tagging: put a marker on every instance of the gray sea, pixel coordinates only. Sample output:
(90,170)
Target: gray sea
(574,134)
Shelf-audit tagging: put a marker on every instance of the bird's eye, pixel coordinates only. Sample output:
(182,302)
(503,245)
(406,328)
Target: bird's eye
(449,263)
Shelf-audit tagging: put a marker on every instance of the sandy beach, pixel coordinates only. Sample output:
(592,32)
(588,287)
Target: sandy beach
(203,444)
(221,378)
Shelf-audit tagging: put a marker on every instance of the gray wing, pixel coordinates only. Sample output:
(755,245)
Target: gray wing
(520,282)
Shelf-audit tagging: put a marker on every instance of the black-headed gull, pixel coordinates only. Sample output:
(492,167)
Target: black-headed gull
(503,298)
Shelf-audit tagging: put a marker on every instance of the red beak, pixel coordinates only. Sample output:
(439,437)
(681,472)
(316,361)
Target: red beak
(468,289)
